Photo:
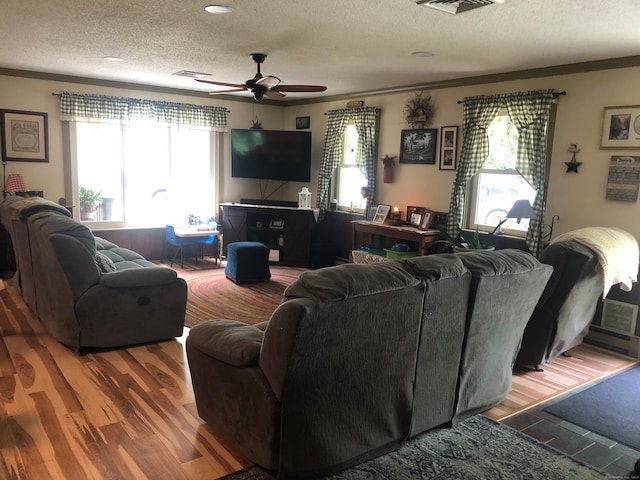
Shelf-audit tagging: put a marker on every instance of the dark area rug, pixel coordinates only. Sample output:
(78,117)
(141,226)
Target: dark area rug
(610,408)
(477,449)
(213,296)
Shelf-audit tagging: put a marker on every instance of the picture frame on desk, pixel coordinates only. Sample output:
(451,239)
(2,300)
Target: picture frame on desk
(381,214)
(425,222)
(276,223)
(414,215)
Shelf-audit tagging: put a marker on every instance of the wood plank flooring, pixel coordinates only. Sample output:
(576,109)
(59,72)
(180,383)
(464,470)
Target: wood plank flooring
(130,413)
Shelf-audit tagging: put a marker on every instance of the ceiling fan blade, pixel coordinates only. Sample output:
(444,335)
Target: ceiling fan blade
(230,90)
(275,94)
(222,84)
(301,88)
(268,82)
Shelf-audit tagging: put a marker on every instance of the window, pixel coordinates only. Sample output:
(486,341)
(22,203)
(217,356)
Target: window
(349,180)
(498,185)
(148,173)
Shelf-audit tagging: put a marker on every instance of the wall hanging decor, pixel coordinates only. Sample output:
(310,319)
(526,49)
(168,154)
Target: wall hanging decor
(387,170)
(621,127)
(624,179)
(24,136)
(448,148)
(418,146)
(303,122)
(419,110)
(573,164)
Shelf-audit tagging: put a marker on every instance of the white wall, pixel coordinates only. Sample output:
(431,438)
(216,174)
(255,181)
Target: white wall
(579,199)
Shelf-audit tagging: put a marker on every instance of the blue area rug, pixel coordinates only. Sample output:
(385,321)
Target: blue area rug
(477,449)
(610,408)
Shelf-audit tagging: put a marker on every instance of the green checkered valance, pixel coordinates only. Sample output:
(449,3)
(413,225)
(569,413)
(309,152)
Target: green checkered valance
(107,109)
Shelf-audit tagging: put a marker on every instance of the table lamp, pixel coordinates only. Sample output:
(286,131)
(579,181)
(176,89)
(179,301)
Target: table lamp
(520,209)
(15,183)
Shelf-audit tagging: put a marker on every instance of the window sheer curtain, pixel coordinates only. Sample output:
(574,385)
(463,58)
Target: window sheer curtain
(122,110)
(529,111)
(365,120)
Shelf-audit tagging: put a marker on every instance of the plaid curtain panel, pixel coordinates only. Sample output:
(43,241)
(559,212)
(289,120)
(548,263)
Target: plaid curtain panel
(529,111)
(121,110)
(479,112)
(530,114)
(365,120)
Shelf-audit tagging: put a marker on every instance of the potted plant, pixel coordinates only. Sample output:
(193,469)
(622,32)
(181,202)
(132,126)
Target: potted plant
(89,201)
(463,241)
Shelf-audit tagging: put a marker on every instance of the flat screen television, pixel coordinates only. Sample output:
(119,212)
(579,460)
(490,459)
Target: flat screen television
(271,155)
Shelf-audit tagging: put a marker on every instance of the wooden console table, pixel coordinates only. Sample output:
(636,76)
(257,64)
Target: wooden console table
(384,235)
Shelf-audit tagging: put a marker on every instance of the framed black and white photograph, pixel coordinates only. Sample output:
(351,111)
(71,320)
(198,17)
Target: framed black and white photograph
(303,122)
(448,148)
(381,214)
(621,127)
(24,136)
(418,146)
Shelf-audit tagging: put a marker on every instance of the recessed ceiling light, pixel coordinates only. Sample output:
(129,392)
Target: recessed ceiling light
(114,59)
(422,54)
(218,9)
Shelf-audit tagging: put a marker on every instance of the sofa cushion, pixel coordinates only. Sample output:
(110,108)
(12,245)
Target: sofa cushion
(105,264)
(232,342)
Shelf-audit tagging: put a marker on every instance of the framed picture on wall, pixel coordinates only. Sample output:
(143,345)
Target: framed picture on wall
(24,136)
(448,148)
(418,146)
(621,127)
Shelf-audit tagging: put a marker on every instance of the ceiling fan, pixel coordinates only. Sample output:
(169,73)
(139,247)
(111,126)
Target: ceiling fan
(260,86)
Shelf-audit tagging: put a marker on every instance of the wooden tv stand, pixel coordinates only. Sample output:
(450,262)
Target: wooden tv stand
(239,222)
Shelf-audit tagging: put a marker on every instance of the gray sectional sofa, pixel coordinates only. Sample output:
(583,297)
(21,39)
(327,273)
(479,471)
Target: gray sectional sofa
(89,292)
(359,358)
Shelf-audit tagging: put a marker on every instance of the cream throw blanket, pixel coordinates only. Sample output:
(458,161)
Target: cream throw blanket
(617,253)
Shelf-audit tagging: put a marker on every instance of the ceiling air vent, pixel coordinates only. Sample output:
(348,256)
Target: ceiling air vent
(456,6)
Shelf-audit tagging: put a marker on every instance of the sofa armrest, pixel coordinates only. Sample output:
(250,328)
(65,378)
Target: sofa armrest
(138,277)
(229,341)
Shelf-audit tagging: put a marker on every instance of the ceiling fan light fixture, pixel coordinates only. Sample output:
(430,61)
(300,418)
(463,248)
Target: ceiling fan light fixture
(218,9)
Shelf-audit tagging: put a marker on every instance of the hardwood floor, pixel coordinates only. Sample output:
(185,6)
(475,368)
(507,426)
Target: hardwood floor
(130,413)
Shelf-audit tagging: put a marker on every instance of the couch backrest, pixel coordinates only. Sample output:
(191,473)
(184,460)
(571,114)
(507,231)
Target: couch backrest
(63,260)
(565,310)
(373,347)
(506,285)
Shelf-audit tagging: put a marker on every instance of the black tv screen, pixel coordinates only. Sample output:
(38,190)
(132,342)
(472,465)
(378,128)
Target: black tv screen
(271,155)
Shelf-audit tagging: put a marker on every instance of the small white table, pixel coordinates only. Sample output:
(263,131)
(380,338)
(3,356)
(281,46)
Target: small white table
(196,231)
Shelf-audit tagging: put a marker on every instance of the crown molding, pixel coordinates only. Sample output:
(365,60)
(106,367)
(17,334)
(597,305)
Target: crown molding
(582,67)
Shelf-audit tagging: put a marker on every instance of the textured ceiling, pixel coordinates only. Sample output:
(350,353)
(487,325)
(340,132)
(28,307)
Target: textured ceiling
(352,46)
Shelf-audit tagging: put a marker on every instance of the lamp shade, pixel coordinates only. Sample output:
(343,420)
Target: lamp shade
(15,183)
(521,209)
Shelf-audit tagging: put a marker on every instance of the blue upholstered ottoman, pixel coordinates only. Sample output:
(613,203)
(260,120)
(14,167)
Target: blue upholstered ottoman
(247,262)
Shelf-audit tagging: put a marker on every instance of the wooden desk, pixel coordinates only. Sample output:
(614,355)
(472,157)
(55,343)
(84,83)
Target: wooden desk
(384,235)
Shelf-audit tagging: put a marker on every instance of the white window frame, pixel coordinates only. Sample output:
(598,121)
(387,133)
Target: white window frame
(473,198)
(72,182)
(336,181)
